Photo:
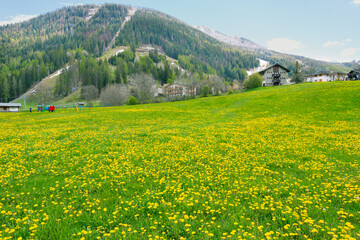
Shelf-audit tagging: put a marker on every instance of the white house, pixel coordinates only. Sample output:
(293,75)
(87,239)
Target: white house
(10,107)
(275,75)
(325,76)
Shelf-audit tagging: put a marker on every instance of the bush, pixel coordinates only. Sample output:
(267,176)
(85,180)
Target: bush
(254,81)
(205,90)
(133,101)
(115,95)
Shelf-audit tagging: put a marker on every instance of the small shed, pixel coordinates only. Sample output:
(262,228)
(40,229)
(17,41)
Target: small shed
(10,107)
(81,104)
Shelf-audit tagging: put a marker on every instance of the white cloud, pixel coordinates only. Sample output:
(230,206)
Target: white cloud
(337,43)
(356,2)
(350,52)
(331,44)
(17,19)
(284,45)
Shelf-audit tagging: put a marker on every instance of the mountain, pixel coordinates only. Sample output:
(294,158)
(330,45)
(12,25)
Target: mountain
(194,50)
(288,60)
(32,50)
(232,40)
(78,36)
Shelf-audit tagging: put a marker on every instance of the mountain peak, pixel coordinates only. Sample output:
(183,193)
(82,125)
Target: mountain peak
(233,40)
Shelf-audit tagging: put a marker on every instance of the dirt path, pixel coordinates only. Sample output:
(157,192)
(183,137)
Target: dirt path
(92,12)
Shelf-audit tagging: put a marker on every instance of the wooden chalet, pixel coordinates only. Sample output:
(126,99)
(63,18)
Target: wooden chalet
(275,75)
(354,74)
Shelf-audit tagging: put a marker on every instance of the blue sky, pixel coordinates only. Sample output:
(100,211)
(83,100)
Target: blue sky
(321,29)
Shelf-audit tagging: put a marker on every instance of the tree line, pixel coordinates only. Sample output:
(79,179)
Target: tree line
(86,70)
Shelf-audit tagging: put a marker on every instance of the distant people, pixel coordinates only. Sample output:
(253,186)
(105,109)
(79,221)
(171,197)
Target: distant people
(30,109)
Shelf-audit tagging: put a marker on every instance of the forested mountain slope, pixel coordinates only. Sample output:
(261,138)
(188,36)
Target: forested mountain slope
(32,50)
(195,50)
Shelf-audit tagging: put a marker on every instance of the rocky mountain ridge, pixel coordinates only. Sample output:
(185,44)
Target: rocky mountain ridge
(233,40)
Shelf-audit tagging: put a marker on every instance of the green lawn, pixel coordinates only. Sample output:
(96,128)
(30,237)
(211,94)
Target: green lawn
(273,163)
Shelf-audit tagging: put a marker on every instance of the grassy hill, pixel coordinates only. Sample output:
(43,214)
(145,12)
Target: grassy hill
(271,163)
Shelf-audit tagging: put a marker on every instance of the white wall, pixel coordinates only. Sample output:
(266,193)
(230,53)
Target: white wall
(13,109)
(323,78)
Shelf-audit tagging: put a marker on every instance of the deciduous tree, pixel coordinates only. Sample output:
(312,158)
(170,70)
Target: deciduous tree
(143,87)
(115,95)
(253,81)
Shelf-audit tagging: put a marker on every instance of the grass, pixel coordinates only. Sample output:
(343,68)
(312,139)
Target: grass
(274,163)
(112,52)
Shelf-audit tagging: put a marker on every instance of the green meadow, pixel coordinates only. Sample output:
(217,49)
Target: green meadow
(273,163)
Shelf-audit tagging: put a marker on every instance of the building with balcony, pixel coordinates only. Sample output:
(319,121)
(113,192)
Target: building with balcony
(274,75)
(354,74)
(177,90)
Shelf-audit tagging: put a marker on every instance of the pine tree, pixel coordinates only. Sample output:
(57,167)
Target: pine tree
(14,87)
(118,74)
(297,75)
(5,90)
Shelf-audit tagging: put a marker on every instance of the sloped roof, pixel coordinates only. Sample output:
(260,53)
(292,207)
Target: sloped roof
(276,64)
(10,104)
(355,70)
